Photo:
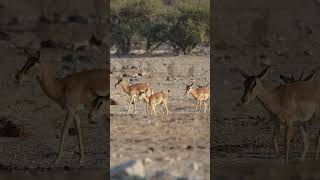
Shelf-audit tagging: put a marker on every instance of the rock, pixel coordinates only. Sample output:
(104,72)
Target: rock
(10,129)
(84,58)
(307,53)
(67,168)
(68,59)
(81,48)
(130,170)
(77,19)
(4,36)
(188,147)
(48,44)
(113,102)
(94,41)
(147,161)
(44,19)
(195,166)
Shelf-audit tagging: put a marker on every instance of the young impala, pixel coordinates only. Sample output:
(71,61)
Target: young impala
(155,99)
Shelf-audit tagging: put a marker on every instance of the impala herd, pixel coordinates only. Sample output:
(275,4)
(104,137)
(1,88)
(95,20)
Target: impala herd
(91,88)
(294,101)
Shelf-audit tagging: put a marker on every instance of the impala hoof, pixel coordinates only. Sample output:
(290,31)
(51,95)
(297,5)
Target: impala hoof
(82,161)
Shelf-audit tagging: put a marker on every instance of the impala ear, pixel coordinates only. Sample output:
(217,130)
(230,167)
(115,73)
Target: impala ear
(285,79)
(27,52)
(309,77)
(264,73)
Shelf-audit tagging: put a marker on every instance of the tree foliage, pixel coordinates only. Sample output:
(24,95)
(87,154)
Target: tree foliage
(183,25)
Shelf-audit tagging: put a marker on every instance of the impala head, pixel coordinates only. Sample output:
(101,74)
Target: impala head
(188,89)
(252,85)
(141,95)
(30,68)
(118,82)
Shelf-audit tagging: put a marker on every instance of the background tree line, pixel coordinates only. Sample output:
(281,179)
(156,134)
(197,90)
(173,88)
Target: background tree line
(182,24)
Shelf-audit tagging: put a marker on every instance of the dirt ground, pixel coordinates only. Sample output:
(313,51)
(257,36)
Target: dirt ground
(177,144)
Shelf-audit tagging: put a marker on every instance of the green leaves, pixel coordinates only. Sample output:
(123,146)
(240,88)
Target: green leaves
(182,25)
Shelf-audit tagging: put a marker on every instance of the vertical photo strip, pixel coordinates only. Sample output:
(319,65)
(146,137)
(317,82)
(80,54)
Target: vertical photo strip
(54,74)
(160,89)
(266,62)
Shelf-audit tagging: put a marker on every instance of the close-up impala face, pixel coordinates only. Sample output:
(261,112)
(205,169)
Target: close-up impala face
(30,68)
(117,84)
(252,85)
(188,89)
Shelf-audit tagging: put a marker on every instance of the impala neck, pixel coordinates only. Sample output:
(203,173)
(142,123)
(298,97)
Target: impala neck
(49,84)
(269,99)
(146,99)
(193,93)
(125,87)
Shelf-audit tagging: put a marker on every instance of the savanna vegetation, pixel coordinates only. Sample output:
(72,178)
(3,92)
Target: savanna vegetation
(182,25)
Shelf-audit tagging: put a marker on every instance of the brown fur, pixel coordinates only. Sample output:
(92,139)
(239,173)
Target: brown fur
(133,91)
(200,95)
(154,100)
(293,102)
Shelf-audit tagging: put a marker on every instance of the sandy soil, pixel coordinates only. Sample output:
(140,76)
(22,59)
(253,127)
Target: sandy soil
(178,143)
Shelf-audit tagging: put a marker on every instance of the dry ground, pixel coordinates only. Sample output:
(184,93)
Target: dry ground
(178,143)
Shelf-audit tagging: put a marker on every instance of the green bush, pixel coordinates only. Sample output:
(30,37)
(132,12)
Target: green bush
(128,18)
(183,25)
(190,27)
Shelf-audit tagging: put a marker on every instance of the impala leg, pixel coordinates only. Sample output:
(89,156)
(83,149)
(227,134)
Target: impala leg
(77,122)
(64,132)
(205,106)
(288,139)
(197,105)
(276,133)
(154,110)
(134,104)
(318,146)
(129,105)
(166,107)
(306,143)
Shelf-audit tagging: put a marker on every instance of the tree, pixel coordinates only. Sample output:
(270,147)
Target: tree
(190,27)
(127,19)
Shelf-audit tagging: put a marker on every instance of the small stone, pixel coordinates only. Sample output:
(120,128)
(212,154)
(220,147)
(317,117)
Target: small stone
(189,147)
(66,168)
(307,52)
(195,166)
(147,160)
